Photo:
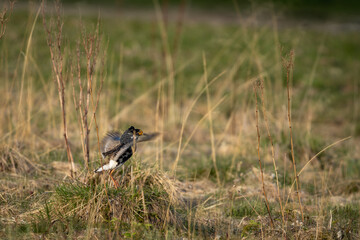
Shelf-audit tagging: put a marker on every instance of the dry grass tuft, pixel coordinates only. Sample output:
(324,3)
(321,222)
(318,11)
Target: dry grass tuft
(146,196)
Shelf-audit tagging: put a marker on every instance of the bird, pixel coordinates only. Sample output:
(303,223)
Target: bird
(119,148)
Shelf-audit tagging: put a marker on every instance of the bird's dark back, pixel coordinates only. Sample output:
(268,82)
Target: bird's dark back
(127,137)
(127,141)
(125,156)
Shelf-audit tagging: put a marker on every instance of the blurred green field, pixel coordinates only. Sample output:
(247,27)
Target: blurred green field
(189,75)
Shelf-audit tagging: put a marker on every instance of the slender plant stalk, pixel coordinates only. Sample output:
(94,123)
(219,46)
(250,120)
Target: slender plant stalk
(258,150)
(24,69)
(185,118)
(179,27)
(77,106)
(212,139)
(323,150)
(309,161)
(272,148)
(161,17)
(94,105)
(158,127)
(81,99)
(86,108)
(289,66)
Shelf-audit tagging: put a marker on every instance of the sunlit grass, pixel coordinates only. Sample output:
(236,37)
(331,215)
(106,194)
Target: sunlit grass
(200,178)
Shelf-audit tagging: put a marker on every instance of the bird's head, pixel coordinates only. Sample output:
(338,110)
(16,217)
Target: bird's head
(135,132)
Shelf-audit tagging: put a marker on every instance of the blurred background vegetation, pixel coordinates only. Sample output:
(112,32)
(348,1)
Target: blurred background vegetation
(318,9)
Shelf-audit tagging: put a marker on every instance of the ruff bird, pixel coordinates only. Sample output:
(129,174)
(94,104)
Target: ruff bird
(119,148)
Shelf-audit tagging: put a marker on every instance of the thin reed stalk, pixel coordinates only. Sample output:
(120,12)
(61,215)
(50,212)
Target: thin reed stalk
(161,17)
(159,126)
(179,27)
(272,148)
(258,150)
(91,45)
(289,67)
(186,116)
(308,162)
(212,139)
(24,70)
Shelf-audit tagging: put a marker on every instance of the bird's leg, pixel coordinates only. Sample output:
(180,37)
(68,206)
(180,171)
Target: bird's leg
(115,182)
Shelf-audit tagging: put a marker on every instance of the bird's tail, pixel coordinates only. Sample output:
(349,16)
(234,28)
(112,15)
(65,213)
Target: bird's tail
(111,165)
(103,168)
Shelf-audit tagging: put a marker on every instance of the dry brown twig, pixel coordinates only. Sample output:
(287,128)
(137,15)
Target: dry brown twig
(255,87)
(5,15)
(54,41)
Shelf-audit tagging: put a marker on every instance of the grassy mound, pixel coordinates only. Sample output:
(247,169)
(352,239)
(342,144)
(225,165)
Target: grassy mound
(145,196)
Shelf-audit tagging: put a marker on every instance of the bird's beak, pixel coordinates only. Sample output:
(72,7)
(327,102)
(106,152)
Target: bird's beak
(140,132)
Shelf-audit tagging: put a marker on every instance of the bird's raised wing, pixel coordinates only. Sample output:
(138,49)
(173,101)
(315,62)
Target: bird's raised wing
(109,142)
(147,137)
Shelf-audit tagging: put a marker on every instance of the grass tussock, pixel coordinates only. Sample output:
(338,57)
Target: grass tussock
(145,196)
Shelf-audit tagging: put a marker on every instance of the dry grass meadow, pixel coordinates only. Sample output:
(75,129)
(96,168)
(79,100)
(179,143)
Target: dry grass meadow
(259,121)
